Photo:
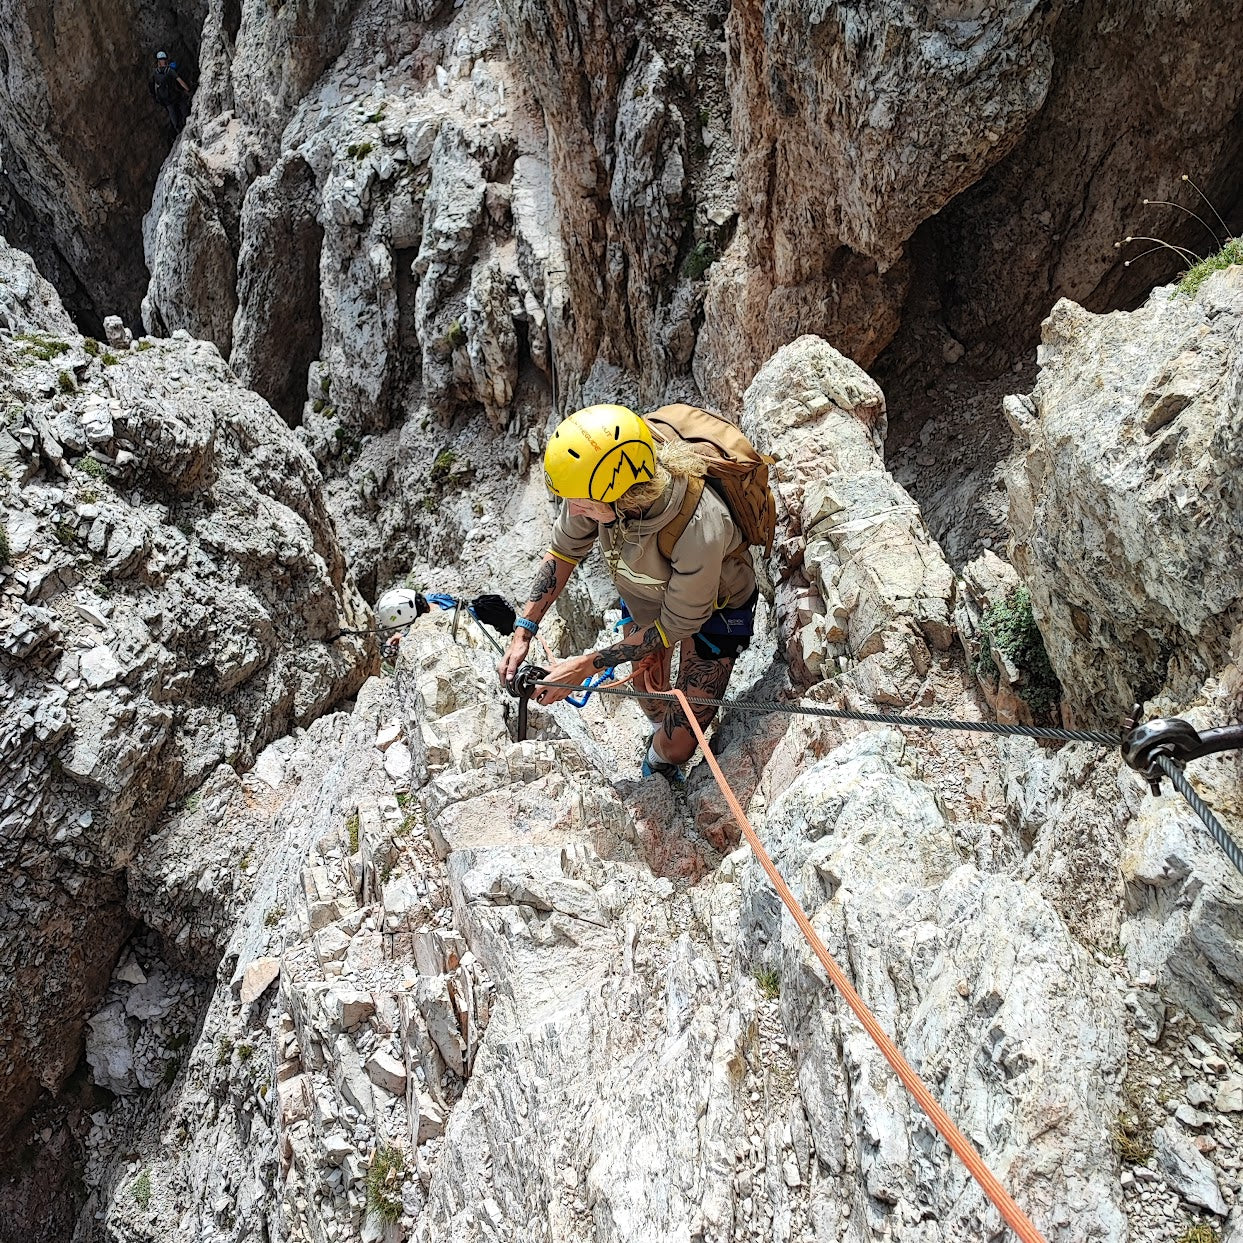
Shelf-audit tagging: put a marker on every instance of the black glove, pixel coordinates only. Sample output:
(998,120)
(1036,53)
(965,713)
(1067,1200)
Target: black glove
(496,612)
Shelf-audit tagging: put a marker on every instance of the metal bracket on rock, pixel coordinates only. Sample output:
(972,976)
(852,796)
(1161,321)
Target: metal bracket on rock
(521,685)
(1174,738)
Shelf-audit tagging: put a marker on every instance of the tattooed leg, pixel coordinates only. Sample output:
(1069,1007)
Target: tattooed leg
(651,674)
(699,679)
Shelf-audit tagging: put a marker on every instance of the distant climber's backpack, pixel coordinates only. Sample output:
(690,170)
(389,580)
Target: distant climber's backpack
(164,82)
(737,472)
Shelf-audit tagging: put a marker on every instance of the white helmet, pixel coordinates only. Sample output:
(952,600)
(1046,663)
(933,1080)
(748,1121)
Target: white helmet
(399,607)
(161,56)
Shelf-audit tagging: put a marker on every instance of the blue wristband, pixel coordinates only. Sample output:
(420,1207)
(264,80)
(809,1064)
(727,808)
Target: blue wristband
(526,624)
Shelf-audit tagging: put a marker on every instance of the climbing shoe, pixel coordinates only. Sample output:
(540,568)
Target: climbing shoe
(653,765)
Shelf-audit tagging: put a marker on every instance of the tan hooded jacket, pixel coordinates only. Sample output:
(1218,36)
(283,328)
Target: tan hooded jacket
(677,595)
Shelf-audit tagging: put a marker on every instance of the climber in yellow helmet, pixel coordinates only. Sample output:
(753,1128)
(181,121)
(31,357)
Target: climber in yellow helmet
(621,489)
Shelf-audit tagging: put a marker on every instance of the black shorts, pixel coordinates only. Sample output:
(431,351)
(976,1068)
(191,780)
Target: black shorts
(726,633)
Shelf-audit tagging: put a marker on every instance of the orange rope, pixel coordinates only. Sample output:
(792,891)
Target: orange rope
(1018,1221)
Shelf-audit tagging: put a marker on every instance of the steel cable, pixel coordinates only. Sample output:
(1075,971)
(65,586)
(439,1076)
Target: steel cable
(1201,809)
(1100,737)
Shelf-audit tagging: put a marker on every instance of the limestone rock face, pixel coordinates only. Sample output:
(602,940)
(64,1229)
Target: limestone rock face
(880,147)
(615,88)
(82,141)
(860,566)
(1133,568)
(427,943)
(173,588)
(358,210)
(838,163)
(894,883)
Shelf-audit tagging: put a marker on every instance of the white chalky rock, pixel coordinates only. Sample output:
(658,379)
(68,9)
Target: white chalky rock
(1186,1170)
(270,767)
(99,668)
(397,762)
(109,1050)
(386,1072)
(257,977)
(1229,1098)
(118,336)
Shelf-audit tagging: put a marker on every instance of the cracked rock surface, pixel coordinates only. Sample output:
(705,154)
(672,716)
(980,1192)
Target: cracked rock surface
(172,587)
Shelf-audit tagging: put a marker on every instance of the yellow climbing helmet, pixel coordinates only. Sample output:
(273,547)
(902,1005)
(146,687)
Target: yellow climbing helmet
(598,453)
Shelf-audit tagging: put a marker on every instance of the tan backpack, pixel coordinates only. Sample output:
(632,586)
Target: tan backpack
(737,471)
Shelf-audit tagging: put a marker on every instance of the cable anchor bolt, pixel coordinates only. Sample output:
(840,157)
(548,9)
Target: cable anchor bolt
(520,685)
(1176,739)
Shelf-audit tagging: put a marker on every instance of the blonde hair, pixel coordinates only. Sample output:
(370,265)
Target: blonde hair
(675,459)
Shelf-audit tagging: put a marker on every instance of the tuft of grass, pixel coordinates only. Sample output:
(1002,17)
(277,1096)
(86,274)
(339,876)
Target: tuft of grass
(1230,254)
(91,346)
(385,1175)
(194,802)
(273,916)
(351,828)
(1132,1136)
(376,117)
(145,345)
(769,981)
(1200,1232)
(699,260)
(65,532)
(442,466)
(6,550)
(171,1067)
(360,150)
(110,360)
(1010,627)
(141,1189)
(93,467)
(66,383)
(224,1051)
(455,338)
(39,345)
(245,1052)
(325,384)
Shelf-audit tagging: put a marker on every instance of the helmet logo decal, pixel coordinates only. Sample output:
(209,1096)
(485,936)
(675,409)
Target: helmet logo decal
(617,471)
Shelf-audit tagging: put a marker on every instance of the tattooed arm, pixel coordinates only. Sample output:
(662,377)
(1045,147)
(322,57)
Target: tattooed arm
(577,669)
(632,648)
(550,578)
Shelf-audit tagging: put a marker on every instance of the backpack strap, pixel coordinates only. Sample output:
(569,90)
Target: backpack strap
(669,535)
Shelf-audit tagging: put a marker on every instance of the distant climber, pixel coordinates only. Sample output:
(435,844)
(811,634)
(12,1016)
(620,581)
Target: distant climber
(401,607)
(170,91)
(697,593)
